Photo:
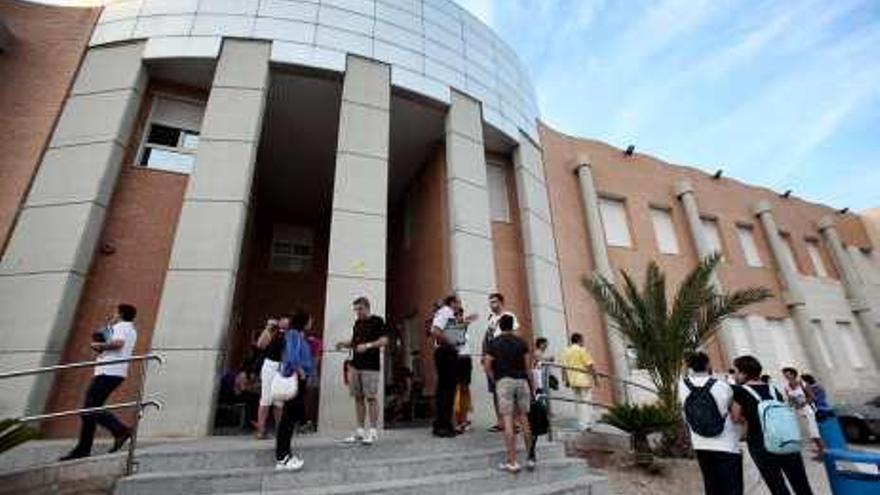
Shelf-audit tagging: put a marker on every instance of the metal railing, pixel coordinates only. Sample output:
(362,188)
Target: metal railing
(546,366)
(139,404)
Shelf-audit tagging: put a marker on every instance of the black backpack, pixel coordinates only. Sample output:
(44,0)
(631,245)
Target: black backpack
(701,411)
(539,420)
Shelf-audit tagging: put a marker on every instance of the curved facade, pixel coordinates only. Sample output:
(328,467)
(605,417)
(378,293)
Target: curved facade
(216,161)
(432,46)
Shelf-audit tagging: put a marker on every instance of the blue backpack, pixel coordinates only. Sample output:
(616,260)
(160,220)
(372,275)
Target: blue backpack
(779,423)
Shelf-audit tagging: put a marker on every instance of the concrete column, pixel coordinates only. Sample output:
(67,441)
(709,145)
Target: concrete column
(539,244)
(793,297)
(472,258)
(194,313)
(684,190)
(596,235)
(50,251)
(852,286)
(359,224)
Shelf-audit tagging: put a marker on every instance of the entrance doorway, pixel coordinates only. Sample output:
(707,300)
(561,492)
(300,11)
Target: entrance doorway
(284,253)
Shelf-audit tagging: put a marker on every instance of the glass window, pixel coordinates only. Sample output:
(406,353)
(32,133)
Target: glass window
(823,347)
(816,258)
(851,344)
(613,213)
(292,248)
(788,252)
(499,205)
(664,231)
(172,135)
(749,247)
(713,235)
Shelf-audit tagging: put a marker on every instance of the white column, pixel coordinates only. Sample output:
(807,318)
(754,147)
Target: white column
(359,224)
(852,286)
(472,257)
(539,246)
(793,297)
(194,312)
(50,250)
(685,192)
(596,236)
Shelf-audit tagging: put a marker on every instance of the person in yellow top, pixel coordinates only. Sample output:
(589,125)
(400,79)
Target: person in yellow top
(581,383)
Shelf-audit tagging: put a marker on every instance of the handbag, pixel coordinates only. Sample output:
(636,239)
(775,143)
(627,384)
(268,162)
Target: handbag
(284,388)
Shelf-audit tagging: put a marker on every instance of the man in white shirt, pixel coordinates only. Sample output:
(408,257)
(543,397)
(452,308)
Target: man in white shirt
(719,455)
(496,311)
(115,342)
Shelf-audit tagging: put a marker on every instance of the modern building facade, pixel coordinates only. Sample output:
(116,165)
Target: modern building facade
(216,161)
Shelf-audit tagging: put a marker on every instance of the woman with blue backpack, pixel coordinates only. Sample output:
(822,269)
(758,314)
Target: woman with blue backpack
(773,433)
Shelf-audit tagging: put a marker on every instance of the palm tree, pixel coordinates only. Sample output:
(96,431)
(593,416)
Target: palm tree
(663,336)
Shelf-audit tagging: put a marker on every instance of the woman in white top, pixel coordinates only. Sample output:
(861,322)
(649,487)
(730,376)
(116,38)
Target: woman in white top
(801,399)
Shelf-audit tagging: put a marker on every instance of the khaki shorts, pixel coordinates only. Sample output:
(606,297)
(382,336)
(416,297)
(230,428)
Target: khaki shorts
(363,383)
(513,396)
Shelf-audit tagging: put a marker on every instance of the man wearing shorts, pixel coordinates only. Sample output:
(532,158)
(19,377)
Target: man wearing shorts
(508,364)
(496,311)
(369,337)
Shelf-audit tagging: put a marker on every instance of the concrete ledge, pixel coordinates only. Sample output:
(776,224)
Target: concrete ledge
(92,475)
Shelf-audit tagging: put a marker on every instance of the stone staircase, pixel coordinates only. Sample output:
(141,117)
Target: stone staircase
(402,462)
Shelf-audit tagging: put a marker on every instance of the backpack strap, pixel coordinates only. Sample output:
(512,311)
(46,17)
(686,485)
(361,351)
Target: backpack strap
(689,384)
(752,392)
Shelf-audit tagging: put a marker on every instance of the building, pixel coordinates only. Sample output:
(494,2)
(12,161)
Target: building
(213,162)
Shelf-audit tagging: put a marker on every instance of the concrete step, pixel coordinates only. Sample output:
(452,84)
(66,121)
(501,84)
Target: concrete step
(562,476)
(321,469)
(219,454)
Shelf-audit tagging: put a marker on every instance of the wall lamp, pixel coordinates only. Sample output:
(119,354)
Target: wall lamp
(630,150)
(718,174)
(843,211)
(786,194)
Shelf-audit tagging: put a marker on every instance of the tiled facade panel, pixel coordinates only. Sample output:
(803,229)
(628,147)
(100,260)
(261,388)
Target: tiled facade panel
(433,46)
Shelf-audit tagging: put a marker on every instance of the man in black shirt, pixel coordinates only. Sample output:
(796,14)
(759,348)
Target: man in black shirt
(774,468)
(508,363)
(369,337)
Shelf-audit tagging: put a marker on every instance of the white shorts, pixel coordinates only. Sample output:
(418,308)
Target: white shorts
(267,374)
(809,421)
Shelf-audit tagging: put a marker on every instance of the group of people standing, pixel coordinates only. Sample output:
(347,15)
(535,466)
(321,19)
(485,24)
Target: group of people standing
(288,352)
(720,414)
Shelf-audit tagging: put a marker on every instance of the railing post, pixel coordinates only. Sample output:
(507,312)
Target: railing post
(138,414)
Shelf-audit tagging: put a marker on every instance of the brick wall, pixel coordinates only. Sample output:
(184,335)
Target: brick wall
(139,233)
(37,70)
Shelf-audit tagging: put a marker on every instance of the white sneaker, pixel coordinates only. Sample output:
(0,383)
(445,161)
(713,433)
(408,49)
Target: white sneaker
(358,437)
(289,463)
(531,464)
(370,437)
(510,467)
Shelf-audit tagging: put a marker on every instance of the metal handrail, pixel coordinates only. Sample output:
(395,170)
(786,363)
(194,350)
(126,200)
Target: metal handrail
(545,385)
(82,364)
(86,410)
(631,383)
(139,403)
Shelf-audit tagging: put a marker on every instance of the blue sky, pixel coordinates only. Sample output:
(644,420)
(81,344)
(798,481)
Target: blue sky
(784,93)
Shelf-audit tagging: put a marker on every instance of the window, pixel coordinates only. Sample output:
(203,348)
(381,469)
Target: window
(738,329)
(664,230)
(788,252)
(823,347)
(816,258)
(750,249)
(850,344)
(713,235)
(292,248)
(613,213)
(779,335)
(172,135)
(499,205)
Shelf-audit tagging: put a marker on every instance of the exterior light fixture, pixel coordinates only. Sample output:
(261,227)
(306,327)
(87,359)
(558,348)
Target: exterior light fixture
(718,174)
(630,150)
(786,194)
(843,211)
